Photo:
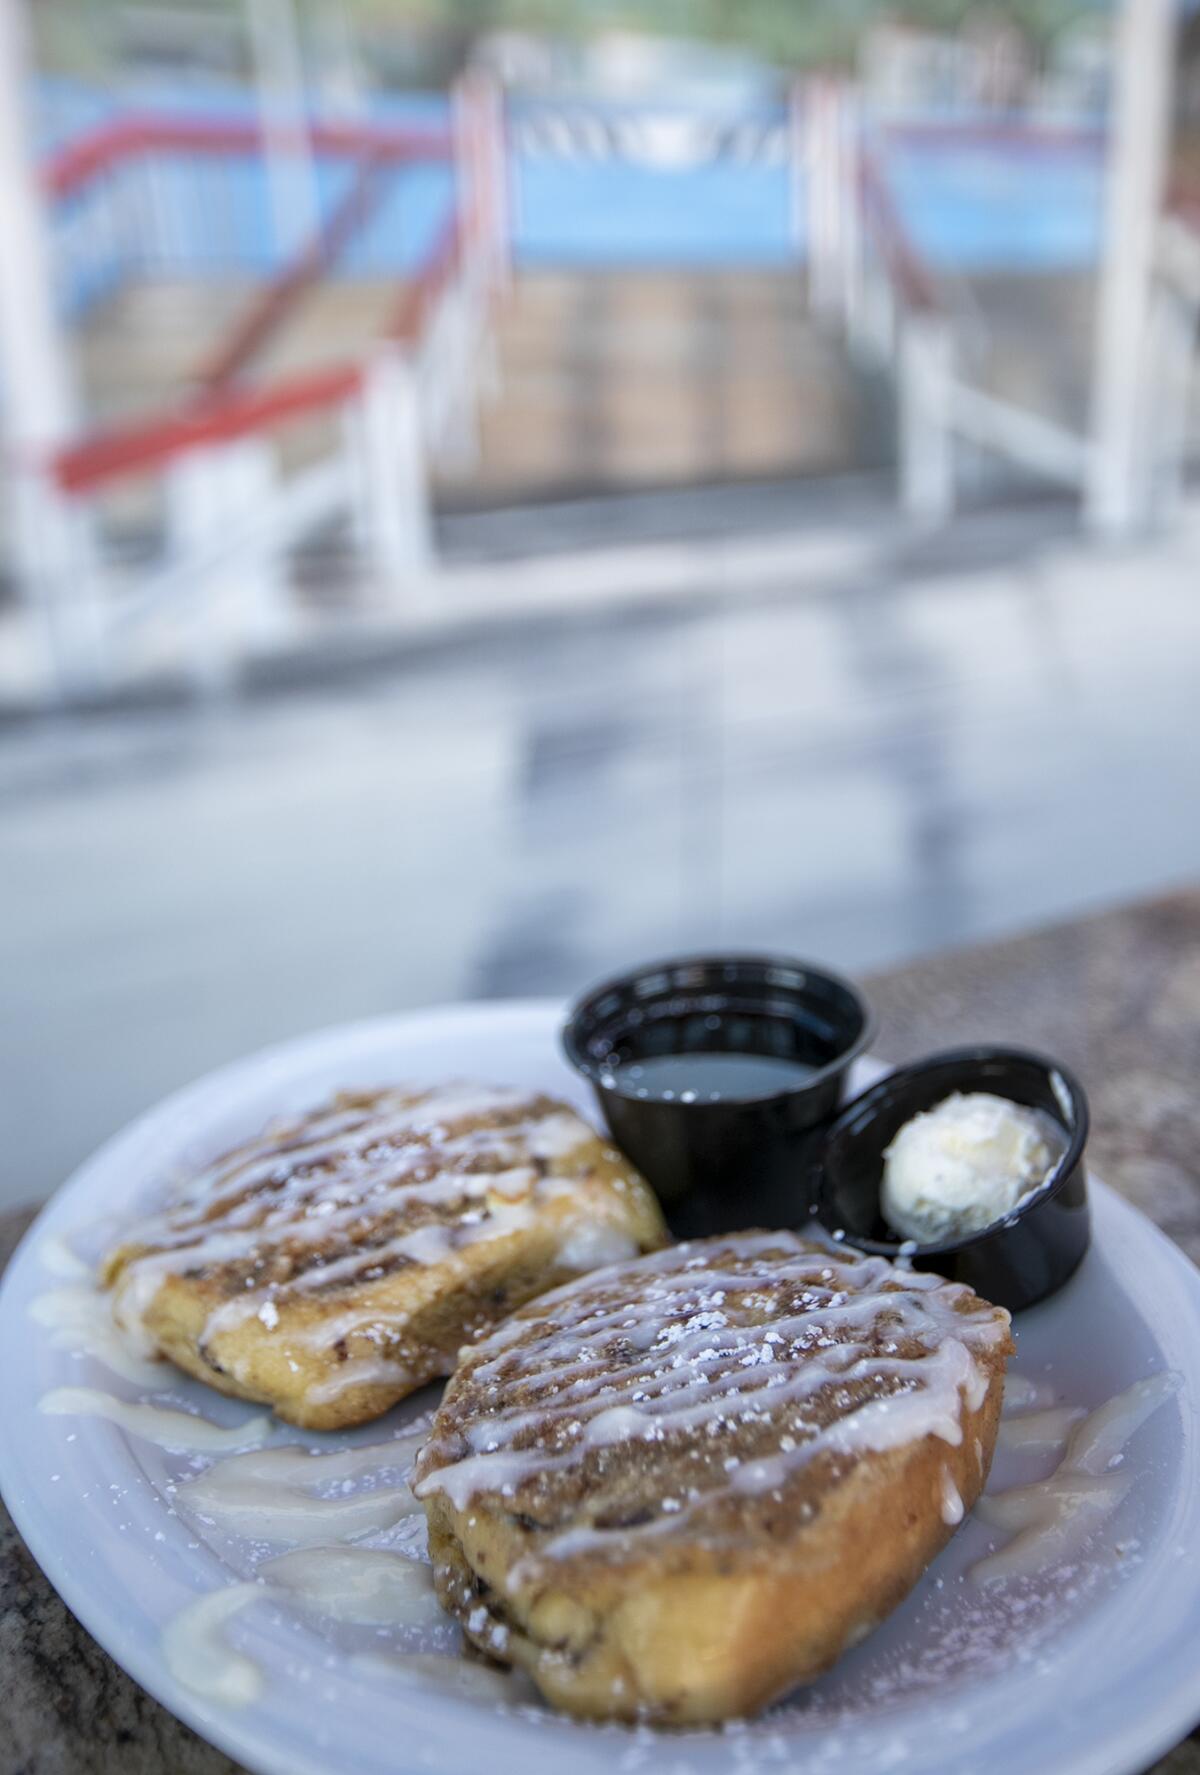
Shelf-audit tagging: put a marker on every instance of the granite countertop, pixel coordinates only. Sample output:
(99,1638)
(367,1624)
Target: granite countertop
(1116,996)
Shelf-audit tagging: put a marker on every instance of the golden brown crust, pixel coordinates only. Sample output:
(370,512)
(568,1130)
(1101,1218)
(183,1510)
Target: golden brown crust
(332,1266)
(756,1590)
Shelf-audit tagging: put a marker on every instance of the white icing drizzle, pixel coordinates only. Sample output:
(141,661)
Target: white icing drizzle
(362,1585)
(1020,1393)
(177,1430)
(1047,1428)
(58,1259)
(275,1495)
(362,1373)
(557,1135)
(200,1657)
(391,1125)
(456,1676)
(79,1319)
(311,1500)
(697,1353)
(1052,1518)
(352,1175)
(952,1504)
(593,1244)
(1099,1441)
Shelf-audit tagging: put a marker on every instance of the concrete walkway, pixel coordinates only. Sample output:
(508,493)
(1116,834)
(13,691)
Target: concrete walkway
(919,748)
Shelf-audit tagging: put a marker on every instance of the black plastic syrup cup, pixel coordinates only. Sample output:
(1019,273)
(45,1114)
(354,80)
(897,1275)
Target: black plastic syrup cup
(738,1160)
(1020,1259)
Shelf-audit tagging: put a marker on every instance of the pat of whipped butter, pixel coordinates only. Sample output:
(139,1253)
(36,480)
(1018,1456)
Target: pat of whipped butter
(957,1168)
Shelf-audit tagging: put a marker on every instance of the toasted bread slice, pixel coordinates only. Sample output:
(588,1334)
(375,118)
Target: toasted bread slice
(678,1488)
(336,1263)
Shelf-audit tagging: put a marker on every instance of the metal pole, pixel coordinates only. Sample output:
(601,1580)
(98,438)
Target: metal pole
(467,196)
(799,170)
(50,543)
(340,73)
(1136,163)
(496,169)
(393,494)
(39,400)
(1171,356)
(851,213)
(283,118)
(823,172)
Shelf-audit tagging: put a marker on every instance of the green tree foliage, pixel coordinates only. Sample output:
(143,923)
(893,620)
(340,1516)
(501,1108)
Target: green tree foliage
(78,34)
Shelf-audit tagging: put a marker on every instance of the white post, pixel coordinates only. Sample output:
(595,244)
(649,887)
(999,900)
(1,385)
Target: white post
(1136,162)
(392,497)
(340,73)
(1172,362)
(450,357)
(283,118)
(926,441)
(51,542)
(240,600)
(462,345)
(495,170)
(823,167)
(195,487)
(799,169)
(469,197)
(481,168)
(851,212)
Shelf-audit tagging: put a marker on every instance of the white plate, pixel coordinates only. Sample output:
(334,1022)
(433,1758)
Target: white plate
(1090,1669)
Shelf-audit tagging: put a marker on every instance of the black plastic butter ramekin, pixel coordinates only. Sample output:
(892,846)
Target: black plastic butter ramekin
(742,1160)
(1015,1262)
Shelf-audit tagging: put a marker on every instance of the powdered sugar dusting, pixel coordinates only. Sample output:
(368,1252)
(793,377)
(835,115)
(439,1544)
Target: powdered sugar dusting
(362,1186)
(761,1351)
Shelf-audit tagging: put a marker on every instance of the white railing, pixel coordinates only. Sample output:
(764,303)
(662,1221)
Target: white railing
(1172,353)
(230,514)
(864,269)
(152,195)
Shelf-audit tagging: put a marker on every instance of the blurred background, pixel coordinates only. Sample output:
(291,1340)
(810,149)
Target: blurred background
(495,490)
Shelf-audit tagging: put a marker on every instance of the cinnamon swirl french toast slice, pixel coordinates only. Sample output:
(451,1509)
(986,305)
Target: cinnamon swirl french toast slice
(339,1261)
(678,1488)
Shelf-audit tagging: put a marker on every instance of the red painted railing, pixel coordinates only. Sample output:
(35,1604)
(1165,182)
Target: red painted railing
(909,272)
(147,444)
(285,290)
(221,411)
(999,132)
(418,298)
(142,446)
(85,158)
